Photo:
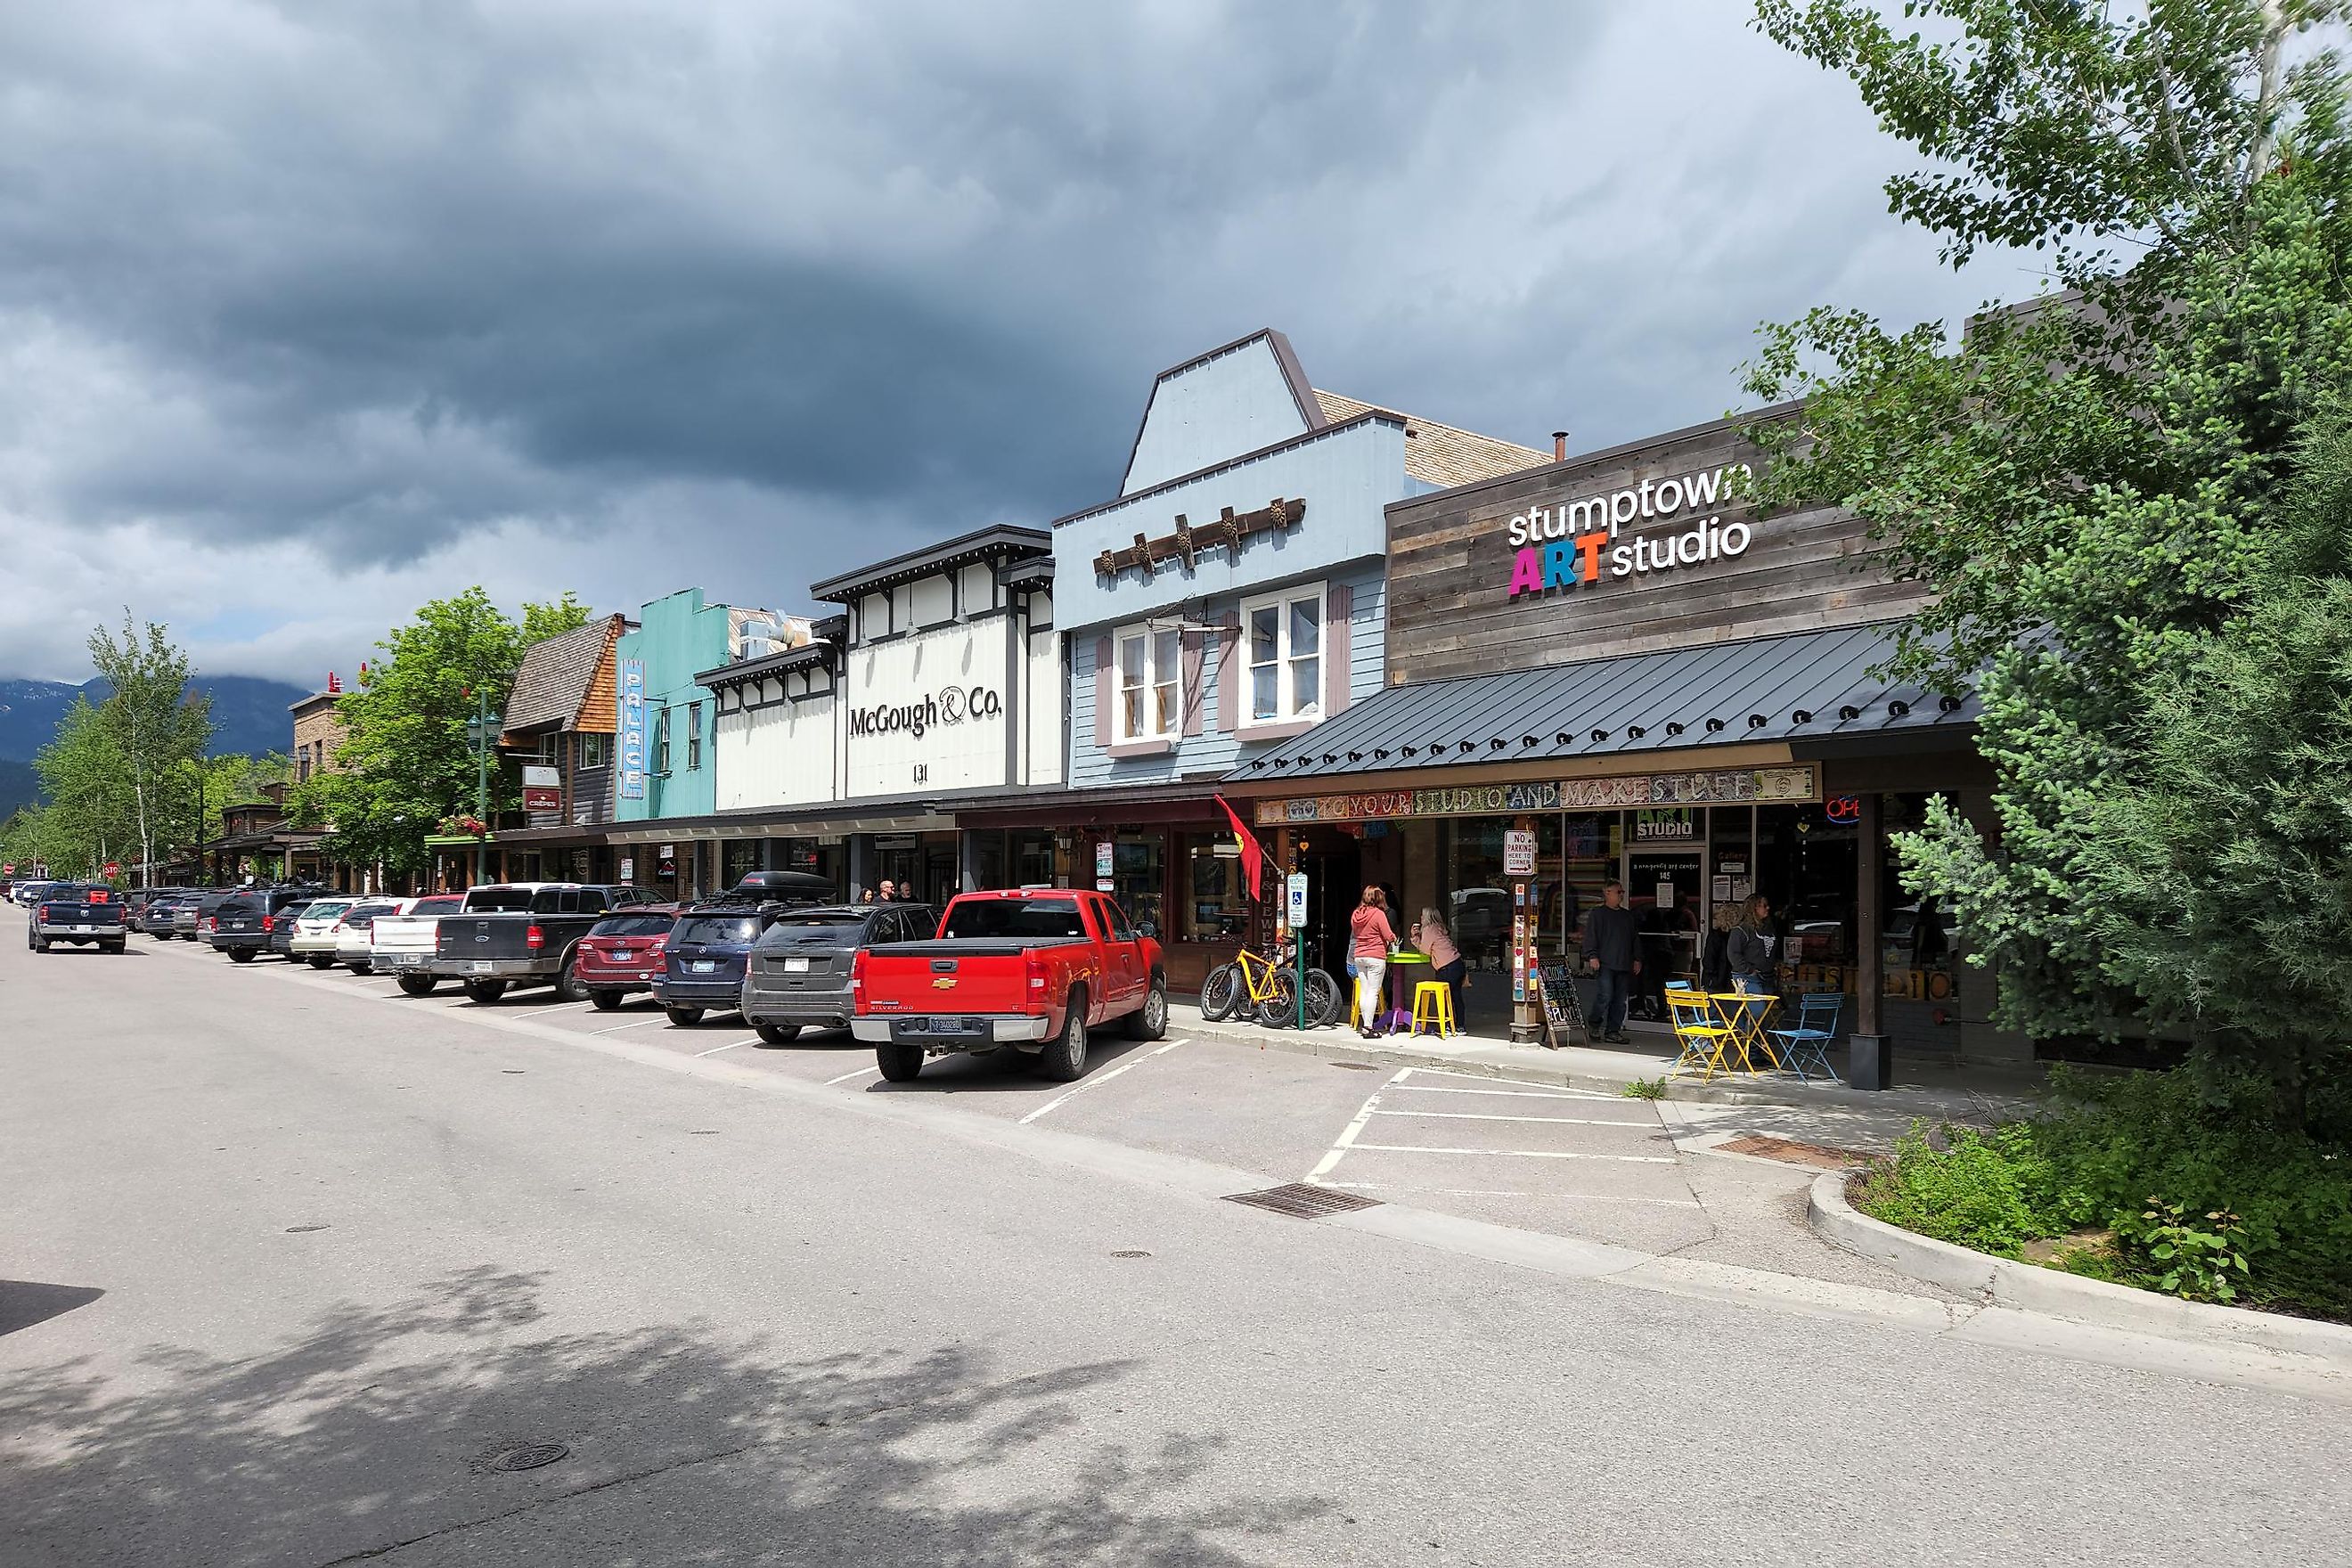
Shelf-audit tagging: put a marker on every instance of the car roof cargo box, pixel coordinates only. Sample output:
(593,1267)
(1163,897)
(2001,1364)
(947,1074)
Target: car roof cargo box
(799,887)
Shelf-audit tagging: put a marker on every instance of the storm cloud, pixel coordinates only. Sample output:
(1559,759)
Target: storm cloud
(309,313)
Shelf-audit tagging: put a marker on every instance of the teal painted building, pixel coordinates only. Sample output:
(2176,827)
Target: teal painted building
(663,744)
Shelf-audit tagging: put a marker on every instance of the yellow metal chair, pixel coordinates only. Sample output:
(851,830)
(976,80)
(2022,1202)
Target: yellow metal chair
(1702,1036)
(1432,1003)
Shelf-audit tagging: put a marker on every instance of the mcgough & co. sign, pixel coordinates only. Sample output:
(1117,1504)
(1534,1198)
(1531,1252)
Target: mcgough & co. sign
(952,705)
(1793,785)
(1576,544)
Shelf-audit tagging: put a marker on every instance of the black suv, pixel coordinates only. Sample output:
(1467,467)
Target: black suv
(244,925)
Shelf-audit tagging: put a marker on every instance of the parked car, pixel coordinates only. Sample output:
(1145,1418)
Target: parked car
(798,976)
(281,930)
(622,954)
(154,917)
(523,933)
(314,932)
(27,894)
(243,924)
(1034,970)
(401,945)
(194,919)
(87,914)
(703,960)
(354,930)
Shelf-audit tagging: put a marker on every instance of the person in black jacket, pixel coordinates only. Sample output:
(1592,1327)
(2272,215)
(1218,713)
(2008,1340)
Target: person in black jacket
(1750,950)
(1611,949)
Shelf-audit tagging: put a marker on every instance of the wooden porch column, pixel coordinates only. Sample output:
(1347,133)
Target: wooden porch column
(1869,1061)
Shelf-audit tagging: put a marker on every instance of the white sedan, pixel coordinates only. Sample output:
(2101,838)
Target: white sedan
(355,930)
(314,933)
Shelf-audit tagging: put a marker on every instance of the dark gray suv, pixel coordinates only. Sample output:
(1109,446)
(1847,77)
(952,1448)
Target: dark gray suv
(798,975)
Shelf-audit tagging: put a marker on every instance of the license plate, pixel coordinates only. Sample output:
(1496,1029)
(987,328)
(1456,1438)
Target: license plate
(409,961)
(796,966)
(81,928)
(481,966)
(705,966)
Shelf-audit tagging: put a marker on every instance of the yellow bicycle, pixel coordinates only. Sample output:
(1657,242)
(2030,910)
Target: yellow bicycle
(1269,989)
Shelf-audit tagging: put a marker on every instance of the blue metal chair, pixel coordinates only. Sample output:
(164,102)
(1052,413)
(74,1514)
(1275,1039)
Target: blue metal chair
(1807,1039)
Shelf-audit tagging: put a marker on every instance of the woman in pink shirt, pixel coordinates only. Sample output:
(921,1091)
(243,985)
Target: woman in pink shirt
(1430,936)
(1372,938)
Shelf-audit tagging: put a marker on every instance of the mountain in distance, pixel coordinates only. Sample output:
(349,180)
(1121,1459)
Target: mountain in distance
(249,714)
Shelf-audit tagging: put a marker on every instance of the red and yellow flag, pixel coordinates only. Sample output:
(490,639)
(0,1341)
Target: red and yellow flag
(1253,857)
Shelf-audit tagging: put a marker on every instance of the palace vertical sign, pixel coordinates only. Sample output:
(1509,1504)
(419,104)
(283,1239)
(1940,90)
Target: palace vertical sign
(633,729)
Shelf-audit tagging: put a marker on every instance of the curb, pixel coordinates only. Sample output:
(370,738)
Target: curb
(1340,1048)
(2006,1282)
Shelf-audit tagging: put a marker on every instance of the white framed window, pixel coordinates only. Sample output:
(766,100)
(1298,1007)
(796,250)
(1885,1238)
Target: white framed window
(661,742)
(1282,641)
(1149,687)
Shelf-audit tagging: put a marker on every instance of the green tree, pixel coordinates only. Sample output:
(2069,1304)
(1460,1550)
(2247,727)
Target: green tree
(408,760)
(2217,878)
(2091,486)
(155,724)
(89,811)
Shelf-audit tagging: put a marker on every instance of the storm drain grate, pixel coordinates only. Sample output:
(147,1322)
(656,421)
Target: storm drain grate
(1790,1151)
(530,1456)
(1303,1201)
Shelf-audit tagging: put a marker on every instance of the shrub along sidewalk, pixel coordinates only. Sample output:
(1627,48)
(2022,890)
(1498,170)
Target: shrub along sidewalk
(2144,1179)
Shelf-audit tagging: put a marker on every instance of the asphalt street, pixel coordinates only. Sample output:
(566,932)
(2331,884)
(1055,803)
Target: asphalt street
(293,1267)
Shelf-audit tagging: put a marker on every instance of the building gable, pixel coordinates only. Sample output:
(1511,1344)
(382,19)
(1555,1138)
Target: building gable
(1239,399)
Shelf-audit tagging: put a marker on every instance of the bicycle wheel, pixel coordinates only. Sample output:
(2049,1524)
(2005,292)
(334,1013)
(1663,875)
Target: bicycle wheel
(1280,1010)
(1220,993)
(1325,1000)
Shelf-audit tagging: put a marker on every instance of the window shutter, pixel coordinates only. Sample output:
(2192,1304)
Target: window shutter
(1106,691)
(1338,604)
(1229,672)
(1195,698)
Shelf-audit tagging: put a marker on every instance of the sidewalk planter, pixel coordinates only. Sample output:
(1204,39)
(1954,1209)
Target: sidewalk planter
(2006,1282)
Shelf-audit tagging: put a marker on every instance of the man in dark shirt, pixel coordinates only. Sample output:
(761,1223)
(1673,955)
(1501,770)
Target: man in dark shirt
(1611,943)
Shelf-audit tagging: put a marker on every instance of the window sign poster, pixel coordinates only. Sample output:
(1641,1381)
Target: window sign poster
(1103,859)
(632,695)
(1518,852)
(1721,889)
(628,869)
(1666,899)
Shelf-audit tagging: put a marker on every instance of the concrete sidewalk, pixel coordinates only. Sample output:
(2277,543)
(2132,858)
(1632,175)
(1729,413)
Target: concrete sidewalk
(1777,1104)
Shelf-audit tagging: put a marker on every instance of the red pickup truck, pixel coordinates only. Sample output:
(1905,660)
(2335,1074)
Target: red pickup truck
(1032,970)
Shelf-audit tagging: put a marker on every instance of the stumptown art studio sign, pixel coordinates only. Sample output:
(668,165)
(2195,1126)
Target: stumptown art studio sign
(1713,787)
(1226,533)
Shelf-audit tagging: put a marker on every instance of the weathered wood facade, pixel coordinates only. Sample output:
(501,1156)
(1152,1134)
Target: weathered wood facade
(1451,610)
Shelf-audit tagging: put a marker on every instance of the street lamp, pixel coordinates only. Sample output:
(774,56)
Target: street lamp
(479,726)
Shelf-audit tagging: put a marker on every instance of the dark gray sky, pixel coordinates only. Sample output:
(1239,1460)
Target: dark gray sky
(310,312)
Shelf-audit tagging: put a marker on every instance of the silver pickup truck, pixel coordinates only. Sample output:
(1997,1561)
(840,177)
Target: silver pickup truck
(401,945)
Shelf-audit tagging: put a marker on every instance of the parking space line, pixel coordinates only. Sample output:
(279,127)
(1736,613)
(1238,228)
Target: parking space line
(1494,1116)
(1518,1153)
(1354,1130)
(1100,1079)
(1510,1093)
(1497,1193)
(861,1072)
(728,1047)
(1524,1087)
(639,1024)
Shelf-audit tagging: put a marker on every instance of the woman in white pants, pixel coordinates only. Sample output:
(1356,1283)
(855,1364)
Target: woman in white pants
(1370,940)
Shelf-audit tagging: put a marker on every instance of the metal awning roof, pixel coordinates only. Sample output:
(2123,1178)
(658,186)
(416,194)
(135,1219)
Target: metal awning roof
(1799,688)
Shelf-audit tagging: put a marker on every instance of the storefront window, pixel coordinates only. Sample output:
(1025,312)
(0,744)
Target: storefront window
(1478,896)
(1216,900)
(1921,947)
(987,851)
(739,858)
(1138,875)
(1805,864)
(1033,859)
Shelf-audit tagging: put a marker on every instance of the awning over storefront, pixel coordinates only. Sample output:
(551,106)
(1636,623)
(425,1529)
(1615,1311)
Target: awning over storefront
(1811,692)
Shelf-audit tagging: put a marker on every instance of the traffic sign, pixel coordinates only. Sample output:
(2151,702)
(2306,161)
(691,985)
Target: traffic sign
(1294,885)
(1518,852)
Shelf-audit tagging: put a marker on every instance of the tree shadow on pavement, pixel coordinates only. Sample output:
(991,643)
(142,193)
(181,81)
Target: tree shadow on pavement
(376,1432)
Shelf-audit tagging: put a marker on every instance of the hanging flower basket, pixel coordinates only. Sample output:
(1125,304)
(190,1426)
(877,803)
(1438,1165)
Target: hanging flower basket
(467,824)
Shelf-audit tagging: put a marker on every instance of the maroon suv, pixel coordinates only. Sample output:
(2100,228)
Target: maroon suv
(622,954)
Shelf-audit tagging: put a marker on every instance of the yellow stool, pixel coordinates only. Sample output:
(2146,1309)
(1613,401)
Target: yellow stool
(1432,1003)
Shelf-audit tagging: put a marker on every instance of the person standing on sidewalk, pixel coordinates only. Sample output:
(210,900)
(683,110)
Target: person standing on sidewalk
(1431,937)
(1750,951)
(1370,939)
(1611,943)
